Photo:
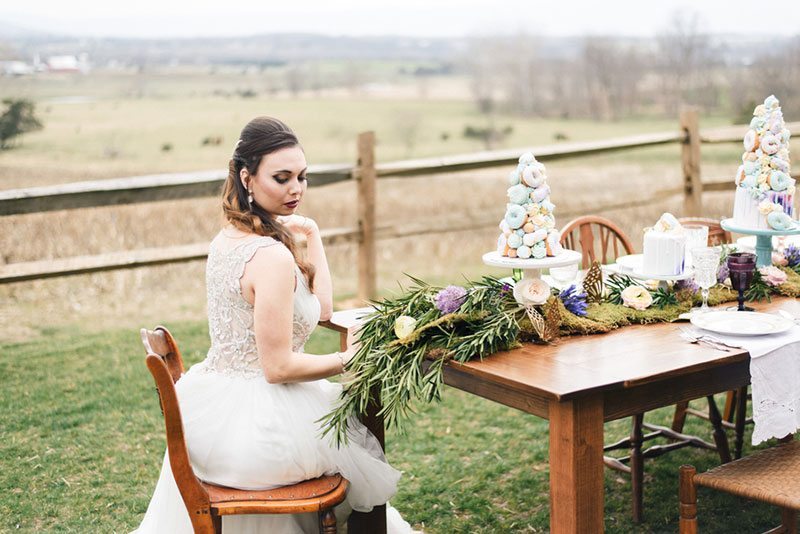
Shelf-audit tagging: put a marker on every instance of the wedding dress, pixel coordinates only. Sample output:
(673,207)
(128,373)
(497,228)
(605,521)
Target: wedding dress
(243,432)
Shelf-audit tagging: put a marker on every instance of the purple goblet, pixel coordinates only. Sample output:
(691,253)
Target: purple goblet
(742,266)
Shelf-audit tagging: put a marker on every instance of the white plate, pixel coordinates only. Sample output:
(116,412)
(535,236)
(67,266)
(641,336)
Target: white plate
(631,265)
(736,323)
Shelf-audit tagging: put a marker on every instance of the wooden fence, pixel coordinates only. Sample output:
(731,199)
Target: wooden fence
(365,172)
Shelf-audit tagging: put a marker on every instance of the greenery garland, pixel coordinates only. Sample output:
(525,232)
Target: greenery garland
(400,367)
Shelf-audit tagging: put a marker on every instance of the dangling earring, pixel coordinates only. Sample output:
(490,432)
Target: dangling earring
(250,198)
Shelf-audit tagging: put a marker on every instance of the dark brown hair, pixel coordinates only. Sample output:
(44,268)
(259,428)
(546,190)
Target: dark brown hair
(261,136)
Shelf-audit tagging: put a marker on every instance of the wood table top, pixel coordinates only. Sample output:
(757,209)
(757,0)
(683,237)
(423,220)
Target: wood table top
(626,357)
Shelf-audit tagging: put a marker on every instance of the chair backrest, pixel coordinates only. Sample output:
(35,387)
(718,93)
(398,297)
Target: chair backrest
(716,234)
(165,364)
(161,343)
(583,233)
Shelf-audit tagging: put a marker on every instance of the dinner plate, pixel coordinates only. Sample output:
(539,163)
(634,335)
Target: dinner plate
(736,323)
(631,265)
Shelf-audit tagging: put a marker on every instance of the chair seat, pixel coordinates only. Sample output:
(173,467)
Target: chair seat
(770,475)
(307,496)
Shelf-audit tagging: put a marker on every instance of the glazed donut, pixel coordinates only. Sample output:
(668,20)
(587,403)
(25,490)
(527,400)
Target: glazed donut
(515,216)
(513,177)
(518,194)
(779,181)
(751,140)
(502,245)
(526,158)
(539,250)
(532,176)
(553,243)
(770,144)
(749,156)
(514,241)
(528,228)
(540,193)
(778,220)
(751,167)
(512,253)
(524,252)
(775,126)
(740,174)
(780,164)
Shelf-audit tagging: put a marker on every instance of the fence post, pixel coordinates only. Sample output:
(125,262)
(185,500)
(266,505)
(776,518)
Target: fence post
(690,159)
(365,182)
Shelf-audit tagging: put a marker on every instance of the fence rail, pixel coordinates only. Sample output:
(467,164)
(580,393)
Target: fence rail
(160,187)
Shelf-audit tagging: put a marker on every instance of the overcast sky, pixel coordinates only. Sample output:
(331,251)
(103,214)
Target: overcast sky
(432,18)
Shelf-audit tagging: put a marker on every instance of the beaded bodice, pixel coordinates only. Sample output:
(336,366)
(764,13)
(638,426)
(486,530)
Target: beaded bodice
(230,317)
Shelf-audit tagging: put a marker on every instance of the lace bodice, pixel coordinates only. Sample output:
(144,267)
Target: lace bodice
(230,317)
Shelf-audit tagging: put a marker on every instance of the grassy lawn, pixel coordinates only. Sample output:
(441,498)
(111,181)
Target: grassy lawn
(81,443)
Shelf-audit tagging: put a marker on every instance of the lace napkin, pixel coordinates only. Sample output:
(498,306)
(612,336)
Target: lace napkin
(775,381)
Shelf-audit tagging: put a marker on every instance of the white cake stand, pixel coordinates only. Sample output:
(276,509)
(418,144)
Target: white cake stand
(631,265)
(763,239)
(531,267)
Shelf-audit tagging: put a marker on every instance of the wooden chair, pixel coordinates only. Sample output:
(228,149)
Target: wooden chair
(716,234)
(735,401)
(207,503)
(770,475)
(584,233)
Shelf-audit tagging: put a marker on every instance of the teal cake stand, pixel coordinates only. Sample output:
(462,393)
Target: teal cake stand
(763,239)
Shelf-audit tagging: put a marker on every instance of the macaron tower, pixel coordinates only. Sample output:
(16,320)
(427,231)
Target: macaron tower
(528,228)
(765,189)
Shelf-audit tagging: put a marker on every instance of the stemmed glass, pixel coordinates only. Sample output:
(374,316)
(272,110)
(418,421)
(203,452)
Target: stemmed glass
(696,237)
(705,261)
(742,266)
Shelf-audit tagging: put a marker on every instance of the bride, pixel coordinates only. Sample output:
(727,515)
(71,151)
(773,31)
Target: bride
(250,408)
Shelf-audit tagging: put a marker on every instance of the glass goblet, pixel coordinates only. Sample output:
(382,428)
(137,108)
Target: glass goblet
(564,276)
(696,237)
(742,267)
(705,262)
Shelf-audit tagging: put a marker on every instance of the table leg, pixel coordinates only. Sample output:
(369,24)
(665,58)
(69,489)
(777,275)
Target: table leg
(373,522)
(576,465)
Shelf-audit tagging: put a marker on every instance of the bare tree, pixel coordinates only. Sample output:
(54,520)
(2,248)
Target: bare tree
(684,54)
(611,73)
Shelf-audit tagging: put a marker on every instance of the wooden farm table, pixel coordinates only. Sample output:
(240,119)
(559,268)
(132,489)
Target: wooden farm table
(583,381)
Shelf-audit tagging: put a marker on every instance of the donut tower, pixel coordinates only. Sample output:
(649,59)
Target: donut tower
(528,228)
(764,175)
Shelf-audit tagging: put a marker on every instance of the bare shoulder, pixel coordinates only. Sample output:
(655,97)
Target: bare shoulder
(276,256)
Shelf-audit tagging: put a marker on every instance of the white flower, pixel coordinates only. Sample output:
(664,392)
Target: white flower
(404,326)
(636,297)
(531,291)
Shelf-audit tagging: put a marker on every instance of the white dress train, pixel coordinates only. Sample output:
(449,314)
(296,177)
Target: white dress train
(243,432)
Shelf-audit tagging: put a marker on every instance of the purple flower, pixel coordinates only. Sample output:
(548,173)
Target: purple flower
(689,285)
(450,299)
(507,288)
(723,272)
(792,255)
(573,301)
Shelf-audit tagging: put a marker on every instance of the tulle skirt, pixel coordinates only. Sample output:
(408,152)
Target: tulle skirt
(249,434)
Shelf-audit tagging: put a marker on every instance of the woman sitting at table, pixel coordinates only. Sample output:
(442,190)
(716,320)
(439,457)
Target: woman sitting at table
(250,409)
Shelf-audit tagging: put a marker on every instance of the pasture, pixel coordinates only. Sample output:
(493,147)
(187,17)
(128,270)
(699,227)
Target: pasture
(81,438)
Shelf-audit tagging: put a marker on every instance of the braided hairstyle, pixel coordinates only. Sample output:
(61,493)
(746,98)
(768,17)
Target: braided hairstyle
(261,136)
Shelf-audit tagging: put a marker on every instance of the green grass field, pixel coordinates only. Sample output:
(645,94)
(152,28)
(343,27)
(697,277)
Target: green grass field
(82,439)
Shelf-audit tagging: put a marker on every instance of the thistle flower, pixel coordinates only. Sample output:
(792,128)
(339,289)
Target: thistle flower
(690,285)
(792,255)
(573,301)
(723,272)
(450,299)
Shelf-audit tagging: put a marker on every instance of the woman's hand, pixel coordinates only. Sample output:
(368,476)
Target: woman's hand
(352,345)
(299,224)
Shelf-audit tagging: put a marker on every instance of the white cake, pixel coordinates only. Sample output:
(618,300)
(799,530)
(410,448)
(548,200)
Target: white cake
(528,228)
(664,247)
(764,188)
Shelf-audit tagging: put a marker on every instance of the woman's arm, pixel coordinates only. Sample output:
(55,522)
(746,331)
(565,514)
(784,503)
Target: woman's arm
(268,283)
(323,286)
